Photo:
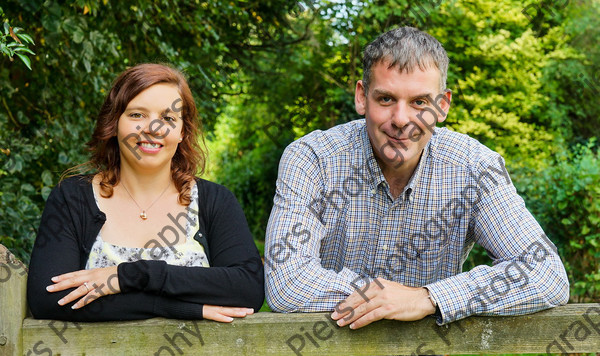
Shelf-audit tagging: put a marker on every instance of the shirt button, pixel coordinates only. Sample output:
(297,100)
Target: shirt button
(373,191)
(384,248)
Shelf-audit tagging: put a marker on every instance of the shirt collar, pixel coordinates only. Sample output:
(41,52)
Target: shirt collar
(416,177)
(375,172)
(369,160)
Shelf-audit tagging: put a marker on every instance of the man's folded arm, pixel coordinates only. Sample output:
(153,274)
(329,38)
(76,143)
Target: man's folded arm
(527,274)
(295,279)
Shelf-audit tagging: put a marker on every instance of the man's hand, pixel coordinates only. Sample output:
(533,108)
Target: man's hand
(383,300)
(89,284)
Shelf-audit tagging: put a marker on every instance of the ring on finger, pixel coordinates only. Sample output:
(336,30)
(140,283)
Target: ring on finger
(86,286)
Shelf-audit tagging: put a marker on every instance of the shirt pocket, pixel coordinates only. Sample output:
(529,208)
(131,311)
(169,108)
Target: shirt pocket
(420,258)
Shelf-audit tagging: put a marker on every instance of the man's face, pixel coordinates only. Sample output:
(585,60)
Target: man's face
(401,110)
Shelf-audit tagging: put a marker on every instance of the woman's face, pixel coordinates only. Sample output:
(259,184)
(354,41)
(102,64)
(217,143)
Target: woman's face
(150,129)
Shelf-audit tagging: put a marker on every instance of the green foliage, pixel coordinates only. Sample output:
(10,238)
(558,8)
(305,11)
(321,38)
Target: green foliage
(11,42)
(513,82)
(565,198)
(265,73)
(47,115)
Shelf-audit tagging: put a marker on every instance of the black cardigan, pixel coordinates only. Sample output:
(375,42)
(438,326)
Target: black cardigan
(70,224)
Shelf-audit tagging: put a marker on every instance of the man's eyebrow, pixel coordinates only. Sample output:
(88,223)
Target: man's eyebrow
(379,92)
(382,92)
(428,96)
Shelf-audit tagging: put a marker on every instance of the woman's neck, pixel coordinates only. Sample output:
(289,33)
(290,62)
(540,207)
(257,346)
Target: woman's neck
(145,184)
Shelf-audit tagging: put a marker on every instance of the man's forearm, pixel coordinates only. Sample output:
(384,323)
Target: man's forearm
(521,286)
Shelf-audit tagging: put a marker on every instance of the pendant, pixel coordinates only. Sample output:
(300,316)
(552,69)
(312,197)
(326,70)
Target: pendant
(143,215)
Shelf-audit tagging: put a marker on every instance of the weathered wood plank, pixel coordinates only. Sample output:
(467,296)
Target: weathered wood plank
(13,305)
(571,328)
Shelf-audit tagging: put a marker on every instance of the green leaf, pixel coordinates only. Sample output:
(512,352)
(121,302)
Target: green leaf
(585,230)
(63,158)
(6,28)
(87,65)
(25,37)
(46,192)
(565,221)
(27,187)
(47,177)
(25,60)
(78,35)
(24,49)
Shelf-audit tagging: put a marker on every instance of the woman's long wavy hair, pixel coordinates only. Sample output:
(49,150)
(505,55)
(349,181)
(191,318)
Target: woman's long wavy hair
(190,157)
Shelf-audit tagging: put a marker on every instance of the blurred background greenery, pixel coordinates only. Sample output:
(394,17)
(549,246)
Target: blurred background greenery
(525,77)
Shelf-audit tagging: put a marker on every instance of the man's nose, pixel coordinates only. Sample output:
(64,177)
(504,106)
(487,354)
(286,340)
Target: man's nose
(400,115)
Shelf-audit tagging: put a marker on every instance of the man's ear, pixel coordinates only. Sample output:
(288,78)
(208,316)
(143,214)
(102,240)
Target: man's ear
(360,98)
(444,100)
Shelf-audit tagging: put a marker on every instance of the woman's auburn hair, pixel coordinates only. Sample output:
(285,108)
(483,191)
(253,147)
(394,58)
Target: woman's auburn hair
(189,159)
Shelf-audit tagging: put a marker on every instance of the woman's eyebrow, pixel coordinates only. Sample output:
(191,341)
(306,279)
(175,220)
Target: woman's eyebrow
(168,110)
(136,108)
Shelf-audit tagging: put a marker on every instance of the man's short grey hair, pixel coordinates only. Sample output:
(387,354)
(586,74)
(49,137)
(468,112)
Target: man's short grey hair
(407,48)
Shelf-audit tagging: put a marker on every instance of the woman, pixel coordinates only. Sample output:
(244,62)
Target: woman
(144,237)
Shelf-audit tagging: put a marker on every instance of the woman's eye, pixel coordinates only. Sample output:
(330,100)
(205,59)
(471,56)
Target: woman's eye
(136,115)
(168,118)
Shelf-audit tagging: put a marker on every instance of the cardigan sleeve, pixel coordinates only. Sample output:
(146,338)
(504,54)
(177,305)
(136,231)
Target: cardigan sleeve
(57,250)
(235,276)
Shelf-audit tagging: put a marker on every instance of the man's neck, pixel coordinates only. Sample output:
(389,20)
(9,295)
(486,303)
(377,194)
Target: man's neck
(398,177)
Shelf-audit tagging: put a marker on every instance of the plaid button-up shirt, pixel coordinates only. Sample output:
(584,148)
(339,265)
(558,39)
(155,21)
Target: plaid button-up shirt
(335,226)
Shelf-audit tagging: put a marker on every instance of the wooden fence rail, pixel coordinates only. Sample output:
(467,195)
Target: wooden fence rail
(574,328)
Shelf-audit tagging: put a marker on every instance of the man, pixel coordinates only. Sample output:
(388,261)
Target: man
(374,218)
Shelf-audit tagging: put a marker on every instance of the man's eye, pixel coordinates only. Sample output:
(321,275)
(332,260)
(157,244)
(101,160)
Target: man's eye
(420,102)
(385,99)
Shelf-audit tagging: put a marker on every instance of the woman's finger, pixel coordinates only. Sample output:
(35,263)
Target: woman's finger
(69,275)
(76,293)
(225,314)
(87,299)
(212,312)
(66,284)
(236,312)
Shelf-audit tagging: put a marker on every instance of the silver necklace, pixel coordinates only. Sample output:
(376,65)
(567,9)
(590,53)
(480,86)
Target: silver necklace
(143,213)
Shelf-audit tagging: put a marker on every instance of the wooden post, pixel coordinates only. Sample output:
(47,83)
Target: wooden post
(572,328)
(13,302)
(567,329)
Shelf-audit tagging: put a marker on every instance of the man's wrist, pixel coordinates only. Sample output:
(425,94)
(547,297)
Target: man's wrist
(434,306)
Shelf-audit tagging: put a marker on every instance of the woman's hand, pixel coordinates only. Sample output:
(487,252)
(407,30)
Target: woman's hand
(224,314)
(89,284)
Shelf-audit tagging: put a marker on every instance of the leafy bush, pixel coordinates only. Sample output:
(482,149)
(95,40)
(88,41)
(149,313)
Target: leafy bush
(565,199)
